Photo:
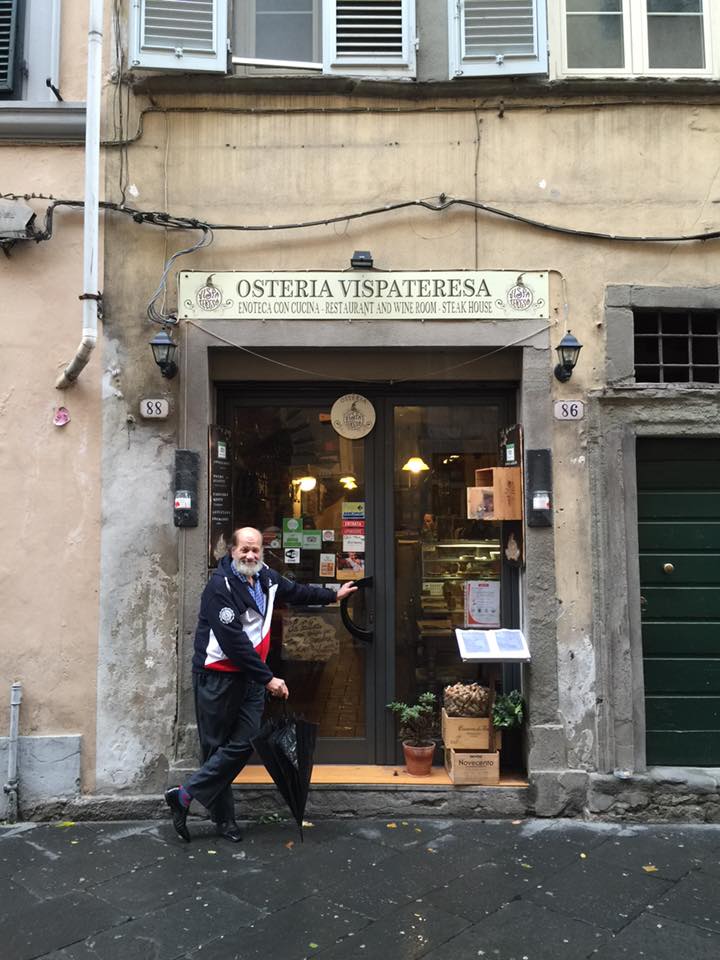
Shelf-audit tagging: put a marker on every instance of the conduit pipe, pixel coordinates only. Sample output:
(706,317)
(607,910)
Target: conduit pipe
(91,223)
(11,787)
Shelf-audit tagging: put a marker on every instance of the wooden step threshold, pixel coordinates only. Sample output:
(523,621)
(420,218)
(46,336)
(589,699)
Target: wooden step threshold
(334,774)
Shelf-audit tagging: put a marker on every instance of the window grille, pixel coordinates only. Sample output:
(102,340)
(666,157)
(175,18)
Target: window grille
(677,346)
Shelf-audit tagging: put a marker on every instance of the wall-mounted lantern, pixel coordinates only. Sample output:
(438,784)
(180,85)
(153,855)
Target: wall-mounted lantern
(568,351)
(164,349)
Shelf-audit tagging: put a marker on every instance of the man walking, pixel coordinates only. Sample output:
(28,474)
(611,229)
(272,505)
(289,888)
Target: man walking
(230,675)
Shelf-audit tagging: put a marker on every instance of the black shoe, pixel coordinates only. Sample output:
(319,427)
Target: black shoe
(229,830)
(179,813)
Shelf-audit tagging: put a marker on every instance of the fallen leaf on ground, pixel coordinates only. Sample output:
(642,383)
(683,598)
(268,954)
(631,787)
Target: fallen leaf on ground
(65,823)
(306,823)
(290,844)
(211,852)
(391,826)
(650,868)
(583,856)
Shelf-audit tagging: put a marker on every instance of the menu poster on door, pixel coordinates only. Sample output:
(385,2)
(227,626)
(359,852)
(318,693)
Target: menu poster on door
(220,494)
(482,603)
(327,565)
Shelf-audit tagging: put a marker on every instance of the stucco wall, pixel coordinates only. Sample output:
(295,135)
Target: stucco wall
(633,168)
(50,476)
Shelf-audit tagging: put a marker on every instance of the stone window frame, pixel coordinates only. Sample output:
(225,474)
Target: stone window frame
(617,414)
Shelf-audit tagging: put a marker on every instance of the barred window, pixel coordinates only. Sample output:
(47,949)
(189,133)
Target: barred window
(677,346)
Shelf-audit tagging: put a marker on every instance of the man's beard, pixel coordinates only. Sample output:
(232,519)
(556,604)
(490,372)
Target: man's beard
(248,568)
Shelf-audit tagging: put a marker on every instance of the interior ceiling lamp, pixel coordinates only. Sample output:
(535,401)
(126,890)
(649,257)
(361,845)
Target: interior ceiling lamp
(164,349)
(305,484)
(567,350)
(350,483)
(361,260)
(415,465)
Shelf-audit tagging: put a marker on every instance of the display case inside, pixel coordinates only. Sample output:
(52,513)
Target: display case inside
(460,583)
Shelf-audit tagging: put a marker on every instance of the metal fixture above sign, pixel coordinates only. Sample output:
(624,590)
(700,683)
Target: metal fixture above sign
(352,416)
(372,295)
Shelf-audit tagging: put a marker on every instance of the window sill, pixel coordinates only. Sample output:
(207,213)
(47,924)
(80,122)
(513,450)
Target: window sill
(23,121)
(529,88)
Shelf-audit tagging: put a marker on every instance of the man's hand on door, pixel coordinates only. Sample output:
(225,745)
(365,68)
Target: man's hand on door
(345,590)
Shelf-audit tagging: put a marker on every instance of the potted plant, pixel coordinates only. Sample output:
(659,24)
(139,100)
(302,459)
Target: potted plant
(508,710)
(508,715)
(417,723)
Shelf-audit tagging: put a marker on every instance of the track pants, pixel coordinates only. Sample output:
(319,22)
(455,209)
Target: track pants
(229,709)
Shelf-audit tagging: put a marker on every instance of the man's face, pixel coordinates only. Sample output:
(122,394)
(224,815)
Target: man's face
(248,554)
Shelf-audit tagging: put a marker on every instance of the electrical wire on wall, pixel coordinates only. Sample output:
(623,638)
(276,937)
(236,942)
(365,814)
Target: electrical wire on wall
(439,204)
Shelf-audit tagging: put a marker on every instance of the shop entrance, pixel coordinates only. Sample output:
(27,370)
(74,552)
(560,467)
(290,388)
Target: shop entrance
(387,510)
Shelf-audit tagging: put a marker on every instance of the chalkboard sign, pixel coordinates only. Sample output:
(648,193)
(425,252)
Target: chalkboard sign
(219,494)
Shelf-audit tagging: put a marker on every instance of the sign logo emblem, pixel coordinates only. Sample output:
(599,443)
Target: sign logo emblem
(208,297)
(352,416)
(520,297)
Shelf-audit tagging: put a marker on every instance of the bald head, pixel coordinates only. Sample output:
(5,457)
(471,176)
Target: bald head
(247,551)
(243,532)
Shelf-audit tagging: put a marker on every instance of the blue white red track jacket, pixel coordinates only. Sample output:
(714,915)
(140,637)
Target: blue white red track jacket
(231,634)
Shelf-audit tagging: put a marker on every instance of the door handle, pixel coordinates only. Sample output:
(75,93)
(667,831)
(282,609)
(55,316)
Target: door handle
(360,632)
(668,568)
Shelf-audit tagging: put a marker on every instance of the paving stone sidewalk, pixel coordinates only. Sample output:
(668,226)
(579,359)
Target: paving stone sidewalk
(521,890)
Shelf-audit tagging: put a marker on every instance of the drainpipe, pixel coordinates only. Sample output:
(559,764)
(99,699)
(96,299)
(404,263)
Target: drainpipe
(91,226)
(11,787)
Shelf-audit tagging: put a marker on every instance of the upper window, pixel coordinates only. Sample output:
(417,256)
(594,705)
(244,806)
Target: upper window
(364,37)
(29,49)
(497,37)
(677,346)
(637,37)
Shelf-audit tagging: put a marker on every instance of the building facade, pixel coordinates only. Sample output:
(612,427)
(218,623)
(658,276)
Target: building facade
(367,227)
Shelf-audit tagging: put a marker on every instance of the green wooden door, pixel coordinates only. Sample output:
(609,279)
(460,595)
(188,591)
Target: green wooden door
(679,539)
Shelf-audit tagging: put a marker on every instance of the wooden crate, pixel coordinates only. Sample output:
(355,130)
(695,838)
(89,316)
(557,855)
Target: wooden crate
(497,494)
(467,733)
(473,766)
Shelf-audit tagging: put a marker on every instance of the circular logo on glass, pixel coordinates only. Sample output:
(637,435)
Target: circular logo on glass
(352,416)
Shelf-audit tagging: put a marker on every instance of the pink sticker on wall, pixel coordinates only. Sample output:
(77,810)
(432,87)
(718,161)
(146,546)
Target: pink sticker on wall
(62,416)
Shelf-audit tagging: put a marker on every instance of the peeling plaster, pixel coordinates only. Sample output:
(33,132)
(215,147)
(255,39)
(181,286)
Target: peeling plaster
(576,668)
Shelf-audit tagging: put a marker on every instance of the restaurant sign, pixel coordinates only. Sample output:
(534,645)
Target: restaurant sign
(366,295)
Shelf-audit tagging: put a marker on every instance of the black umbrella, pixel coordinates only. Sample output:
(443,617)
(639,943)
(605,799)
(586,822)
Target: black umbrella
(286,746)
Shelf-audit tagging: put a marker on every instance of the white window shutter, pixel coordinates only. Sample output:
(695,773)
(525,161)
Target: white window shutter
(369,37)
(179,35)
(500,37)
(9,44)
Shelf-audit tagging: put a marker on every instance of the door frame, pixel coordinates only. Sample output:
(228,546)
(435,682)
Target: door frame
(382,746)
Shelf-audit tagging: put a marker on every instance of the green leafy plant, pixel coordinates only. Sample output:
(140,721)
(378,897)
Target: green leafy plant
(508,710)
(417,721)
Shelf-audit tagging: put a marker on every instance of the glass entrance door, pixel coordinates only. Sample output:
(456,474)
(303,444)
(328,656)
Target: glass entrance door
(387,511)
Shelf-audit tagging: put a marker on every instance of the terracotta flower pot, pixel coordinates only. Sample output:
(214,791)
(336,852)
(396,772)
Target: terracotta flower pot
(418,760)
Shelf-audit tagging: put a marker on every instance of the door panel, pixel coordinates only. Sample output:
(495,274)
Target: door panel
(669,638)
(297,480)
(679,540)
